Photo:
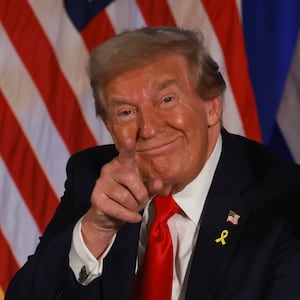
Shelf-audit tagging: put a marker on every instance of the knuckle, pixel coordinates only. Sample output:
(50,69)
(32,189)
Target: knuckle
(117,212)
(126,199)
(106,169)
(131,176)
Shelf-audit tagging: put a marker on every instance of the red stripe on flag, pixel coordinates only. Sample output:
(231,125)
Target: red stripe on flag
(24,168)
(8,263)
(97,31)
(39,58)
(156,12)
(226,22)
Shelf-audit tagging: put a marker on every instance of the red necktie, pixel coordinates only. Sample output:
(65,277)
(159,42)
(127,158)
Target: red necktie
(154,280)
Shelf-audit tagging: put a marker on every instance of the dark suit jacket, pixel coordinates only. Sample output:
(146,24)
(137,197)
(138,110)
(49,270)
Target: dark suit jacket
(260,260)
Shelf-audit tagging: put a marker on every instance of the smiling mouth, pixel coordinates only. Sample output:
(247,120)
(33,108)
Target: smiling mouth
(157,147)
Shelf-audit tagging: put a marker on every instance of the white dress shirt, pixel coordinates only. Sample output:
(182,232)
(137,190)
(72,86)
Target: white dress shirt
(184,228)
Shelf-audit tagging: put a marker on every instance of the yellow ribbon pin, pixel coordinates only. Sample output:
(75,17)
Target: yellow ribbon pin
(222,238)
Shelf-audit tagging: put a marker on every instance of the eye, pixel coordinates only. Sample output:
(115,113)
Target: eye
(168,102)
(168,99)
(125,114)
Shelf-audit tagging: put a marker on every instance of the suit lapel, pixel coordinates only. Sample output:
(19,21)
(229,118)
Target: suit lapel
(229,191)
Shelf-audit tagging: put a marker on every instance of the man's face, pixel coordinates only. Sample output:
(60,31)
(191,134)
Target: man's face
(175,131)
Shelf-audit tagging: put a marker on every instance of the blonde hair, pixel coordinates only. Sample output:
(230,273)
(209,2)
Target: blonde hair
(140,47)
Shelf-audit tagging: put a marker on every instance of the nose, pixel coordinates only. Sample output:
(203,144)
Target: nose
(150,123)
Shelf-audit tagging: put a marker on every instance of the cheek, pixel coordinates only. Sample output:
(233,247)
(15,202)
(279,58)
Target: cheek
(190,120)
(194,125)
(180,119)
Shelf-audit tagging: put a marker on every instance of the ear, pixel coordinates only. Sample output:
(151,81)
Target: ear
(214,111)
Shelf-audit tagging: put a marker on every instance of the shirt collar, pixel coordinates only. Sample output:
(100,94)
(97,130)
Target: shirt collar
(191,199)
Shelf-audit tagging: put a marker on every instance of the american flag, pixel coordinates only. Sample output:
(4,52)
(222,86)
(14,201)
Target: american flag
(233,217)
(47,111)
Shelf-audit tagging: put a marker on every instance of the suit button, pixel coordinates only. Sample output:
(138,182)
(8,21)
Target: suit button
(60,295)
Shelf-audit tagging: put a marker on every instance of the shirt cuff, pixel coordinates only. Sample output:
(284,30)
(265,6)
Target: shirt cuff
(82,262)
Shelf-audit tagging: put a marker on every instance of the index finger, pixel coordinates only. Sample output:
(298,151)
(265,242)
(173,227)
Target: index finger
(127,153)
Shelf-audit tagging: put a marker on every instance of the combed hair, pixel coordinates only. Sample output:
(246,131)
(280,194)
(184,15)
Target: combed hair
(138,48)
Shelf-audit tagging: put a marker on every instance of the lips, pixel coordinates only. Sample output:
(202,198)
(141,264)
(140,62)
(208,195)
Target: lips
(158,146)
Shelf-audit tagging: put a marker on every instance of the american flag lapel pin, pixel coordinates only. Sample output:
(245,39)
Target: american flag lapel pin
(233,217)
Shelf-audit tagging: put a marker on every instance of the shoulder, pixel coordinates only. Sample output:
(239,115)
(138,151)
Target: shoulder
(271,181)
(253,167)
(98,155)
(263,164)
(85,165)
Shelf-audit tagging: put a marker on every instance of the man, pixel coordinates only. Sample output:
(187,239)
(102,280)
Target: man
(234,236)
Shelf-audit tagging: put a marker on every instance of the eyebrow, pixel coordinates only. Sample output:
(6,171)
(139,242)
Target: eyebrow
(166,83)
(117,101)
(160,86)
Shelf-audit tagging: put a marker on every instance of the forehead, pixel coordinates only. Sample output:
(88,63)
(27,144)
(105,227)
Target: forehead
(157,75)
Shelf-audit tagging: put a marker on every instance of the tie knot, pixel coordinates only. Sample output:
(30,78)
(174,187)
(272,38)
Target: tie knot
(165,208)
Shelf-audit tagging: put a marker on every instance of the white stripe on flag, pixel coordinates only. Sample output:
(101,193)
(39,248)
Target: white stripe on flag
(16,221)
(72,56)
(239,7)
(289,110)
(131,15)
(29,109)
